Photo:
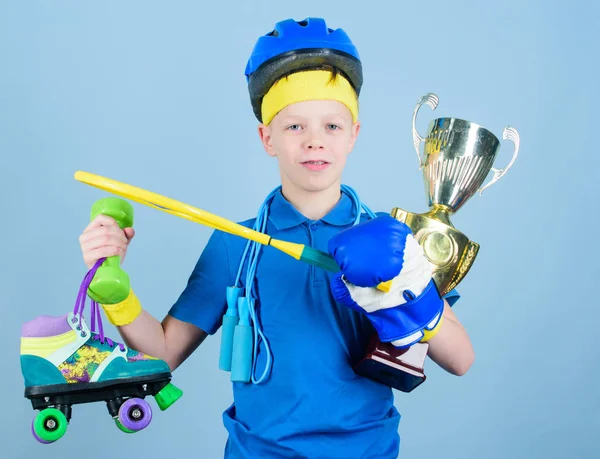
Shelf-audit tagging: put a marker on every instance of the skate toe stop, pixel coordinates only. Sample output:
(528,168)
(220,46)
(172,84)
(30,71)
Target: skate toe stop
(167,396)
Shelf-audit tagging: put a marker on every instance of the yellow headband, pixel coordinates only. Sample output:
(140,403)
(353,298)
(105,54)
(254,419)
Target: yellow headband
(308,85)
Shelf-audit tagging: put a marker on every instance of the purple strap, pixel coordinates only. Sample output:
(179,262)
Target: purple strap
(95,309)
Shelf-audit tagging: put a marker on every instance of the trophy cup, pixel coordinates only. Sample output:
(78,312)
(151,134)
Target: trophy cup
(458,157)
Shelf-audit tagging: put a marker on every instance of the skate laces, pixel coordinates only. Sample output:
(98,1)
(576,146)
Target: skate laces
(96,318)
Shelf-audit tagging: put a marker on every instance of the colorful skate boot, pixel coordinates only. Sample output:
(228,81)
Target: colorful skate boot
(64,362)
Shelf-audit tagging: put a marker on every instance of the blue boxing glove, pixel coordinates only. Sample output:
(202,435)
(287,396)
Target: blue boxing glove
(380,250)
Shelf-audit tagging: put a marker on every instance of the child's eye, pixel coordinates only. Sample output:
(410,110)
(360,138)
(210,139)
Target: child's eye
(294,127)
(333,127)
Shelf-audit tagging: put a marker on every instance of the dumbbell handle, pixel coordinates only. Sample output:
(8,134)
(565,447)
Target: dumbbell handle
(110,284)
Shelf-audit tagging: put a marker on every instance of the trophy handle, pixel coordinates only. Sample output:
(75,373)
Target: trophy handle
(432,100)
(511,134)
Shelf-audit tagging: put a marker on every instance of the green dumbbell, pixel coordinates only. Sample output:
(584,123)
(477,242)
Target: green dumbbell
(110,284)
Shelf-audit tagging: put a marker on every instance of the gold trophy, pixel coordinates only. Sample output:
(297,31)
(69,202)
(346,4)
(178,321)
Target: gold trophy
(459,155)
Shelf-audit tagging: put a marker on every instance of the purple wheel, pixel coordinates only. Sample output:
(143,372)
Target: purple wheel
(36,436)
(135,414)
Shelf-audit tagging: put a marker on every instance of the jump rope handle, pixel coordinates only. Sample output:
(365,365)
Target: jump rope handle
(241,355)
(230,321)
(110,284)
(237,336)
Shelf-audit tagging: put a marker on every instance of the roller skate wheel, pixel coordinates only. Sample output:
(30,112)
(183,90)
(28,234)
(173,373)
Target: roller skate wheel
(135,414)
(123,428)
(49,425)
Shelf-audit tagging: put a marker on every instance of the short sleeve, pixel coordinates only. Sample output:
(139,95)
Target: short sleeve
(452,297)
(203,301)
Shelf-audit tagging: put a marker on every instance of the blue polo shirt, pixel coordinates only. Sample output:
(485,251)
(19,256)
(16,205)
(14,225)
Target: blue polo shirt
(313,405)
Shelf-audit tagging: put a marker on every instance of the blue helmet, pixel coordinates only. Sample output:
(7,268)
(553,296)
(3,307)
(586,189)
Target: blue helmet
(294,46)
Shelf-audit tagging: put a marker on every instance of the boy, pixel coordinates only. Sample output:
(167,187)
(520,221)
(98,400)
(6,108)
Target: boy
(304,81)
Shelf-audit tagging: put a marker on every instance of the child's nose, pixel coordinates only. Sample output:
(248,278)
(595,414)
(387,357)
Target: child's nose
(314,141)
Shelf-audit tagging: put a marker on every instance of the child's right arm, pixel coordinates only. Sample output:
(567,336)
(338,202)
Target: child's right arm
(172,340)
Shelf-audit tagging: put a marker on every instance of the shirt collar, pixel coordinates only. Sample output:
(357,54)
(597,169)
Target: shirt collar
(284,215)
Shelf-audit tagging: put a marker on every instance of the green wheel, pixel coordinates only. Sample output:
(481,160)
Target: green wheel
(49,425)
(123,428)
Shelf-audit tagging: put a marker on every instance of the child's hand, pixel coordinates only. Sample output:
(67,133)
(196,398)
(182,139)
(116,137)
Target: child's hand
(379,250)
(104,238)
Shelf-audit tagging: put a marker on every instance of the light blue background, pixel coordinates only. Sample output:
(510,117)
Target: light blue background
(153,94)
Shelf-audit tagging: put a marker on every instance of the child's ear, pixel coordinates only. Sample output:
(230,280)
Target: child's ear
(264,132)
(354,134)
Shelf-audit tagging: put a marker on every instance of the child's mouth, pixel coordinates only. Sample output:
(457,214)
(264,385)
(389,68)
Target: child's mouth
(315,165)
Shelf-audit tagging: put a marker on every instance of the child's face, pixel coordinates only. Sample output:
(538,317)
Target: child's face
(310,141)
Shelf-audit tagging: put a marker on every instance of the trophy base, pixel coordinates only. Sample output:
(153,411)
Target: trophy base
(400,369)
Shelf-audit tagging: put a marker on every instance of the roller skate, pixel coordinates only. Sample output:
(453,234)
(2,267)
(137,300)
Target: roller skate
(64,362)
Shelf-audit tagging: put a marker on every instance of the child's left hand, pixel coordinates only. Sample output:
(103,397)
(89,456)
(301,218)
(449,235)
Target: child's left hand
(376,251)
